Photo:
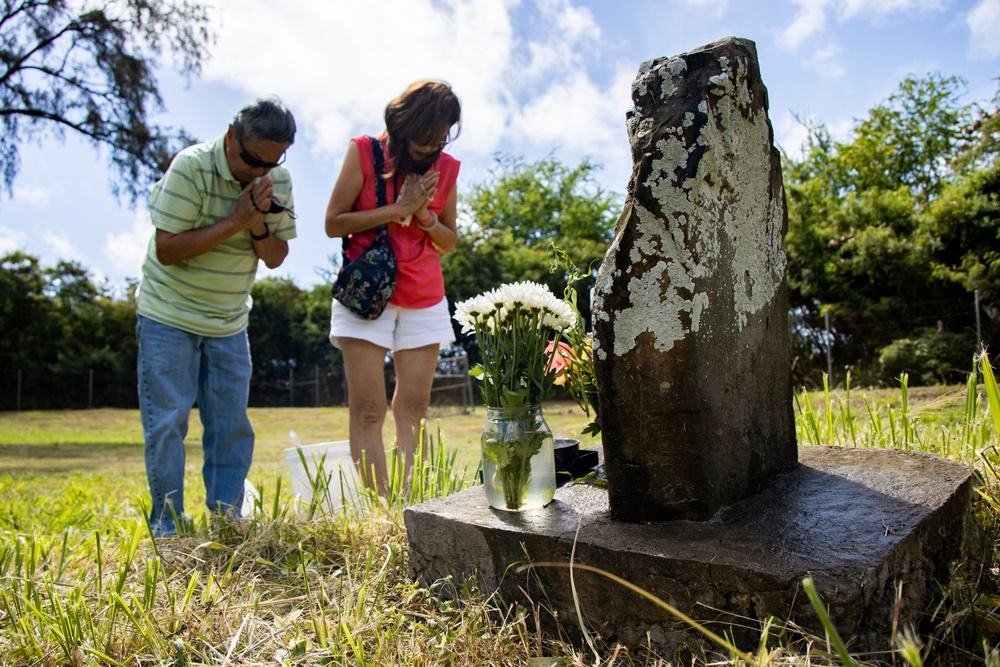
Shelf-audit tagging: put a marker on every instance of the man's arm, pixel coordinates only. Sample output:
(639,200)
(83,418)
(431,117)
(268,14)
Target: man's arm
(176,247)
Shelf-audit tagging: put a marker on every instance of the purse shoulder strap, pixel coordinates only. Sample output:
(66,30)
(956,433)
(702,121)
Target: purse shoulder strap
(379,160)
(383,230)
(379,170)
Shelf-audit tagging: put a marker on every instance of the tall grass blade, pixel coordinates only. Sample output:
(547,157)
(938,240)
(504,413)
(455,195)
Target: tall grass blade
(721,641)
(831,631)
(992,391)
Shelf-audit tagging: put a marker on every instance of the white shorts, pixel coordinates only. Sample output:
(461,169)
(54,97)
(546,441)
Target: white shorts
(395,329)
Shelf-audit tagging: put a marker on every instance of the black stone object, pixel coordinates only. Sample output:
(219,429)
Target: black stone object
(573,462)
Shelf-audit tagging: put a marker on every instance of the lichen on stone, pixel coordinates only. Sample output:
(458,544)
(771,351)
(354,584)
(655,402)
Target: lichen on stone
(676,244)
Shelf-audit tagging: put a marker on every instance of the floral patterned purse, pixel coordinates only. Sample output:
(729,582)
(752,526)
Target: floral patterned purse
(365,285)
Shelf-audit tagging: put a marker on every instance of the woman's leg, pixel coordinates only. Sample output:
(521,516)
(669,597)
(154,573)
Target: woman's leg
(364,364)
(414,379)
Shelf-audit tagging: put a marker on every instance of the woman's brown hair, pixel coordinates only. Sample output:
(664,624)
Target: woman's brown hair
(420,114)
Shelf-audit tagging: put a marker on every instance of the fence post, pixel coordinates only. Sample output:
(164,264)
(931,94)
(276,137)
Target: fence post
(316,370)
(979,327)
(467,393)
(291,387)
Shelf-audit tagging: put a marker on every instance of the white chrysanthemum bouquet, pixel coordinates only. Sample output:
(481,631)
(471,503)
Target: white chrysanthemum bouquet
(518,326)
(514,325)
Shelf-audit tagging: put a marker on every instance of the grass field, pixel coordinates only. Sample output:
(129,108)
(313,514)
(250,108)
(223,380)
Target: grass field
(82,584)
(50,447)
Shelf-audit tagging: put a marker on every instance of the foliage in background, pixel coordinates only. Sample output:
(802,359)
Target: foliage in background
(59,322)
(890,233)
(509,221)
(290,327)
(89,68)
(574,358)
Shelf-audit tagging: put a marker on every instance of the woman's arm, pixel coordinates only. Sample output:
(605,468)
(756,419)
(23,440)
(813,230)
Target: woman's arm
(177,247)
(341,220)
(442,228)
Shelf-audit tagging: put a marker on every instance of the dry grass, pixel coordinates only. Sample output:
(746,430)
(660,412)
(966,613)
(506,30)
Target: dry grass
(82,584)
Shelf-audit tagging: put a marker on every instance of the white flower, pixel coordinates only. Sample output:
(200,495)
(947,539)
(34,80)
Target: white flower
(474,311)
(531,296)
(559,316)
(513,323)
(466,315)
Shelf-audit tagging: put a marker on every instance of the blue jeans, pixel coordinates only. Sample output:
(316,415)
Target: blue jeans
(175,369)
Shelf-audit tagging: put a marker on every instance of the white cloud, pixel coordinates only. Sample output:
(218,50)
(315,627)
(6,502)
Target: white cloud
(715,5)
(338,86)
(577,34)
(876,10)
(338,81)
(825,61)
(791,135)
(60,245)
(811,17)
(574,23)
(809,20)
(37,196)
(571,113)
(12,240)
(124,252)
(984,25)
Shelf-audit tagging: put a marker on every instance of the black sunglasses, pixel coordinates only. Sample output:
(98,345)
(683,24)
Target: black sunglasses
(438,145)
(256,163)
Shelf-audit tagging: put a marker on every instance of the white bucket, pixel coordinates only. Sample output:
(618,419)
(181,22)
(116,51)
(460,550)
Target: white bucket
(341,474)
(251,499)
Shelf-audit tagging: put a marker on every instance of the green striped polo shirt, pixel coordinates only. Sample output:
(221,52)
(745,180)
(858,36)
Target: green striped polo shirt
(208,295)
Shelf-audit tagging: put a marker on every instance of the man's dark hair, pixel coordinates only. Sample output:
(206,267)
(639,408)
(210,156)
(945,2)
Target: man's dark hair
(265,119)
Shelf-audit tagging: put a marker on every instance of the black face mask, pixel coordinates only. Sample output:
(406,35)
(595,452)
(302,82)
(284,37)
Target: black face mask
(422,166)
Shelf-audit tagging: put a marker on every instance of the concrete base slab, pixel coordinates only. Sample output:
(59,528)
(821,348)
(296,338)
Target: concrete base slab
(875,529)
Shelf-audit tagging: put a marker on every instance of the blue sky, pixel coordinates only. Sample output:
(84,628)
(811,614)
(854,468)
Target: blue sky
(536,78)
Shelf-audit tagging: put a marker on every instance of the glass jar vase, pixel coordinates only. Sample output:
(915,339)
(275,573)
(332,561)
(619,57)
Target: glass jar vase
(519,469)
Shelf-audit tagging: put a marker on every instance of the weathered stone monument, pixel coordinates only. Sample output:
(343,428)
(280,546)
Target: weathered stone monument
(691,320)
(710,506)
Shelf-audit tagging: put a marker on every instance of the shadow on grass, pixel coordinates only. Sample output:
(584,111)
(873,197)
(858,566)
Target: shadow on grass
(65,458)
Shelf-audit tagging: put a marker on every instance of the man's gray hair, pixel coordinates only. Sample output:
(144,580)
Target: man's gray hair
(265,119)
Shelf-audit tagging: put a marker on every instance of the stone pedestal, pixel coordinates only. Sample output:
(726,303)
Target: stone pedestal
(866,525)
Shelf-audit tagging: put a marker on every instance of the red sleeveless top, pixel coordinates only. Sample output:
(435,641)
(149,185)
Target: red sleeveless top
(419,281)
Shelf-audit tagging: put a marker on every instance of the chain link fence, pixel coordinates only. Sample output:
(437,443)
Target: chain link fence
(33,389)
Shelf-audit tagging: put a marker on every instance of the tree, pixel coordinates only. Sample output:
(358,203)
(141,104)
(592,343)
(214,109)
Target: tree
(97,332)
(58,325)
(275,331)
(862,242)
(511,220)
(544,201)
(911,140)
(966,223)
(26,314)
(983,135)
(90,71)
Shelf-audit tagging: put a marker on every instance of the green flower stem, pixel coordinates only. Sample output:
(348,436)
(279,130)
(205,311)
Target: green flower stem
(513,437)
